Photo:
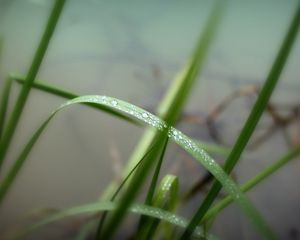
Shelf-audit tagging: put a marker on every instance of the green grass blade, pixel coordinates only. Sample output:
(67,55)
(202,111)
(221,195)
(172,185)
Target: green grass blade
(86,230)
(60,92)
(213,148)
(252,120)
(102,220)
(165,199)
(152,187)
(172,105)
(111,206)
(4,104)
(33,70)
(6,183)
(253,182)
(153,184)
(133,188)
(173,102)
(178,137)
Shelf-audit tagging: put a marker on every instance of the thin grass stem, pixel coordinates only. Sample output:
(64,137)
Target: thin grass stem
(102,220)
(133,189)
(4,105)
(33,70)
(152,187)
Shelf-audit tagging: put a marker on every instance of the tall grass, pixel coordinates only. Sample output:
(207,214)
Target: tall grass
(160,199)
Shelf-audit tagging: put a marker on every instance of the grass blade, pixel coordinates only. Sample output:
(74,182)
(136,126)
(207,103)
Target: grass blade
(111,206)
(253,182)
(153,184)
(152,187)
(165,199)
(173,102)
(35,65)
(58,91)
(252,120)
(134,187)
(178,137)
(101,222)
(86,230)
(6,183)
(4,104)
(213,148)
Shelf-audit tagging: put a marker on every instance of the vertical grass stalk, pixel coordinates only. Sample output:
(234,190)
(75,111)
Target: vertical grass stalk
(133,188)
(152,187)
(33,70)
(102,219)
(4,104)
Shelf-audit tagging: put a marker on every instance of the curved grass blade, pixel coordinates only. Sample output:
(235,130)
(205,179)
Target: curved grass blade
(4,104)
(33,70)
(213,148)
(253,182)
(58,91)
(177,94)
(252,120)
(111,206)
(178,137)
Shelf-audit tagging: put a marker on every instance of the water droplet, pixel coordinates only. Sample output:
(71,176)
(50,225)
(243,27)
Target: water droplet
(157,212)
(145,115)
(114,102)
(104,99)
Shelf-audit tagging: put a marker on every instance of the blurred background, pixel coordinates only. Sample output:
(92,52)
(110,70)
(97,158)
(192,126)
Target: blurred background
(132,51)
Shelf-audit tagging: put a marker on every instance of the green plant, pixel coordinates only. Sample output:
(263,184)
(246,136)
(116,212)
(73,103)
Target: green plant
(160,200)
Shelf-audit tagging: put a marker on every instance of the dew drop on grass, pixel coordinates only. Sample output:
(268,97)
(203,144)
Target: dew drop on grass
(152,212)
(114,103)
(156,213)
(145,115)
(104,99)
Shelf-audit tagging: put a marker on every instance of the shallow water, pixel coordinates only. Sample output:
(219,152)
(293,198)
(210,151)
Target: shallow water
(132,51)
